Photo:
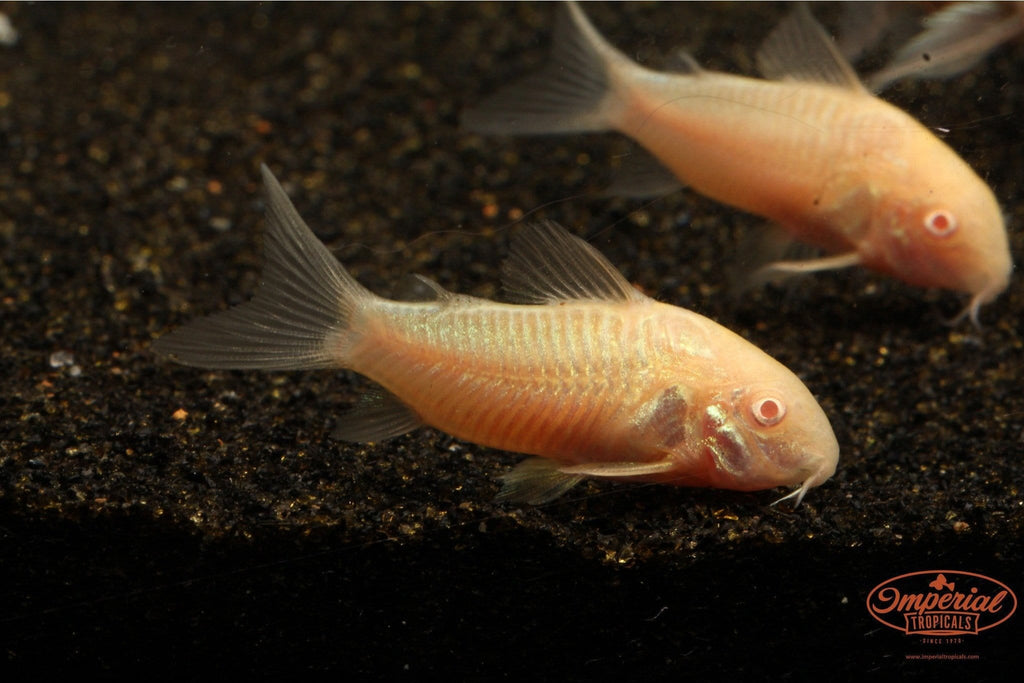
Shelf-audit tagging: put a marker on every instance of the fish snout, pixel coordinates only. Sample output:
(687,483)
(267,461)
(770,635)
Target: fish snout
(982,264)
(826,467)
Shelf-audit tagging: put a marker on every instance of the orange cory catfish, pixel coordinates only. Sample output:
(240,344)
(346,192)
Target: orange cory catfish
(585,372)
(810,149)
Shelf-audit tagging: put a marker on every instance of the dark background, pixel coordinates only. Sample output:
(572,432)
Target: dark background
(165,520)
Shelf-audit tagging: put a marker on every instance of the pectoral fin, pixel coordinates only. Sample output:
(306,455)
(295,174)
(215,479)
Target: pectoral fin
(619,470)
(781,269)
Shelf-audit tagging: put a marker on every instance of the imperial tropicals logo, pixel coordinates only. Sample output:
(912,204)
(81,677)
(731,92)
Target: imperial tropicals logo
(941,603)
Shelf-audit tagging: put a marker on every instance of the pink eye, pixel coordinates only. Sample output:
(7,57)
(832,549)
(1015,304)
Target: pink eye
(768,411)
(940,223)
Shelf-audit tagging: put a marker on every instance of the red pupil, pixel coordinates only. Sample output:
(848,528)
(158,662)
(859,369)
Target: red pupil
(769,410)
(940,222)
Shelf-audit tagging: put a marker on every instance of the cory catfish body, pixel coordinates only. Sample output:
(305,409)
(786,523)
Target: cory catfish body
(808,148)
(586,373)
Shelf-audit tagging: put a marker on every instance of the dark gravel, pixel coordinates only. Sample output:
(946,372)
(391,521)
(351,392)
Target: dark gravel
(157,518)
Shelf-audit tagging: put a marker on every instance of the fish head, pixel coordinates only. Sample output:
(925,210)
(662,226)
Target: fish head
(761,435)
(950,236)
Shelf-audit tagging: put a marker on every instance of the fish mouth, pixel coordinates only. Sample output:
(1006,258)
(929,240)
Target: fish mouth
(819,477)
(980,298)
(798,494)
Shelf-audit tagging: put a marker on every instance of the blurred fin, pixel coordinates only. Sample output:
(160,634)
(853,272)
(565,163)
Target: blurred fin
(955,39)
(683,62)
(573,93)
(758,247)
(642,176)
(378,415)
(800,50)
(862,25)
(782,269)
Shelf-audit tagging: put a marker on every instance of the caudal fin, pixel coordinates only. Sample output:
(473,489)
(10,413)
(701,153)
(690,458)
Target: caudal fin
(573,93)
(301,316)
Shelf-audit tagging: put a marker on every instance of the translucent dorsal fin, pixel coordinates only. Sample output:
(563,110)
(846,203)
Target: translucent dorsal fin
(800,50)
(549,265)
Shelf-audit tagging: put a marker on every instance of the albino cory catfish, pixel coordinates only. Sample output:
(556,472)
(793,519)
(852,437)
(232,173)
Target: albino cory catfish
(812,150)
(594,377)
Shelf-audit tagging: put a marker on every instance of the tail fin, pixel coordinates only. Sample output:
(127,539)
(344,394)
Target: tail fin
(300,316)
(573,93)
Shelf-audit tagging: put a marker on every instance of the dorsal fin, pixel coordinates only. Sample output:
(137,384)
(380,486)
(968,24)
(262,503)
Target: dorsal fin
(798,49)
(549,265)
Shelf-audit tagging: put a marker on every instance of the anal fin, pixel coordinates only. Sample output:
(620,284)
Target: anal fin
(642,176)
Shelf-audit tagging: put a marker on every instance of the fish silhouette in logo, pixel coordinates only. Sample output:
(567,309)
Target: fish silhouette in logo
(940,582)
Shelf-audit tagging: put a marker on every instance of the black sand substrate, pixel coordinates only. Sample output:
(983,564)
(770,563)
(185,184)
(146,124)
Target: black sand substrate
(159,519)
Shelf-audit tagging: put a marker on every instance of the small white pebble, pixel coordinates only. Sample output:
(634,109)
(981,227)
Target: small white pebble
(61,359)
(220,224)
(65,359)
(177,184)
